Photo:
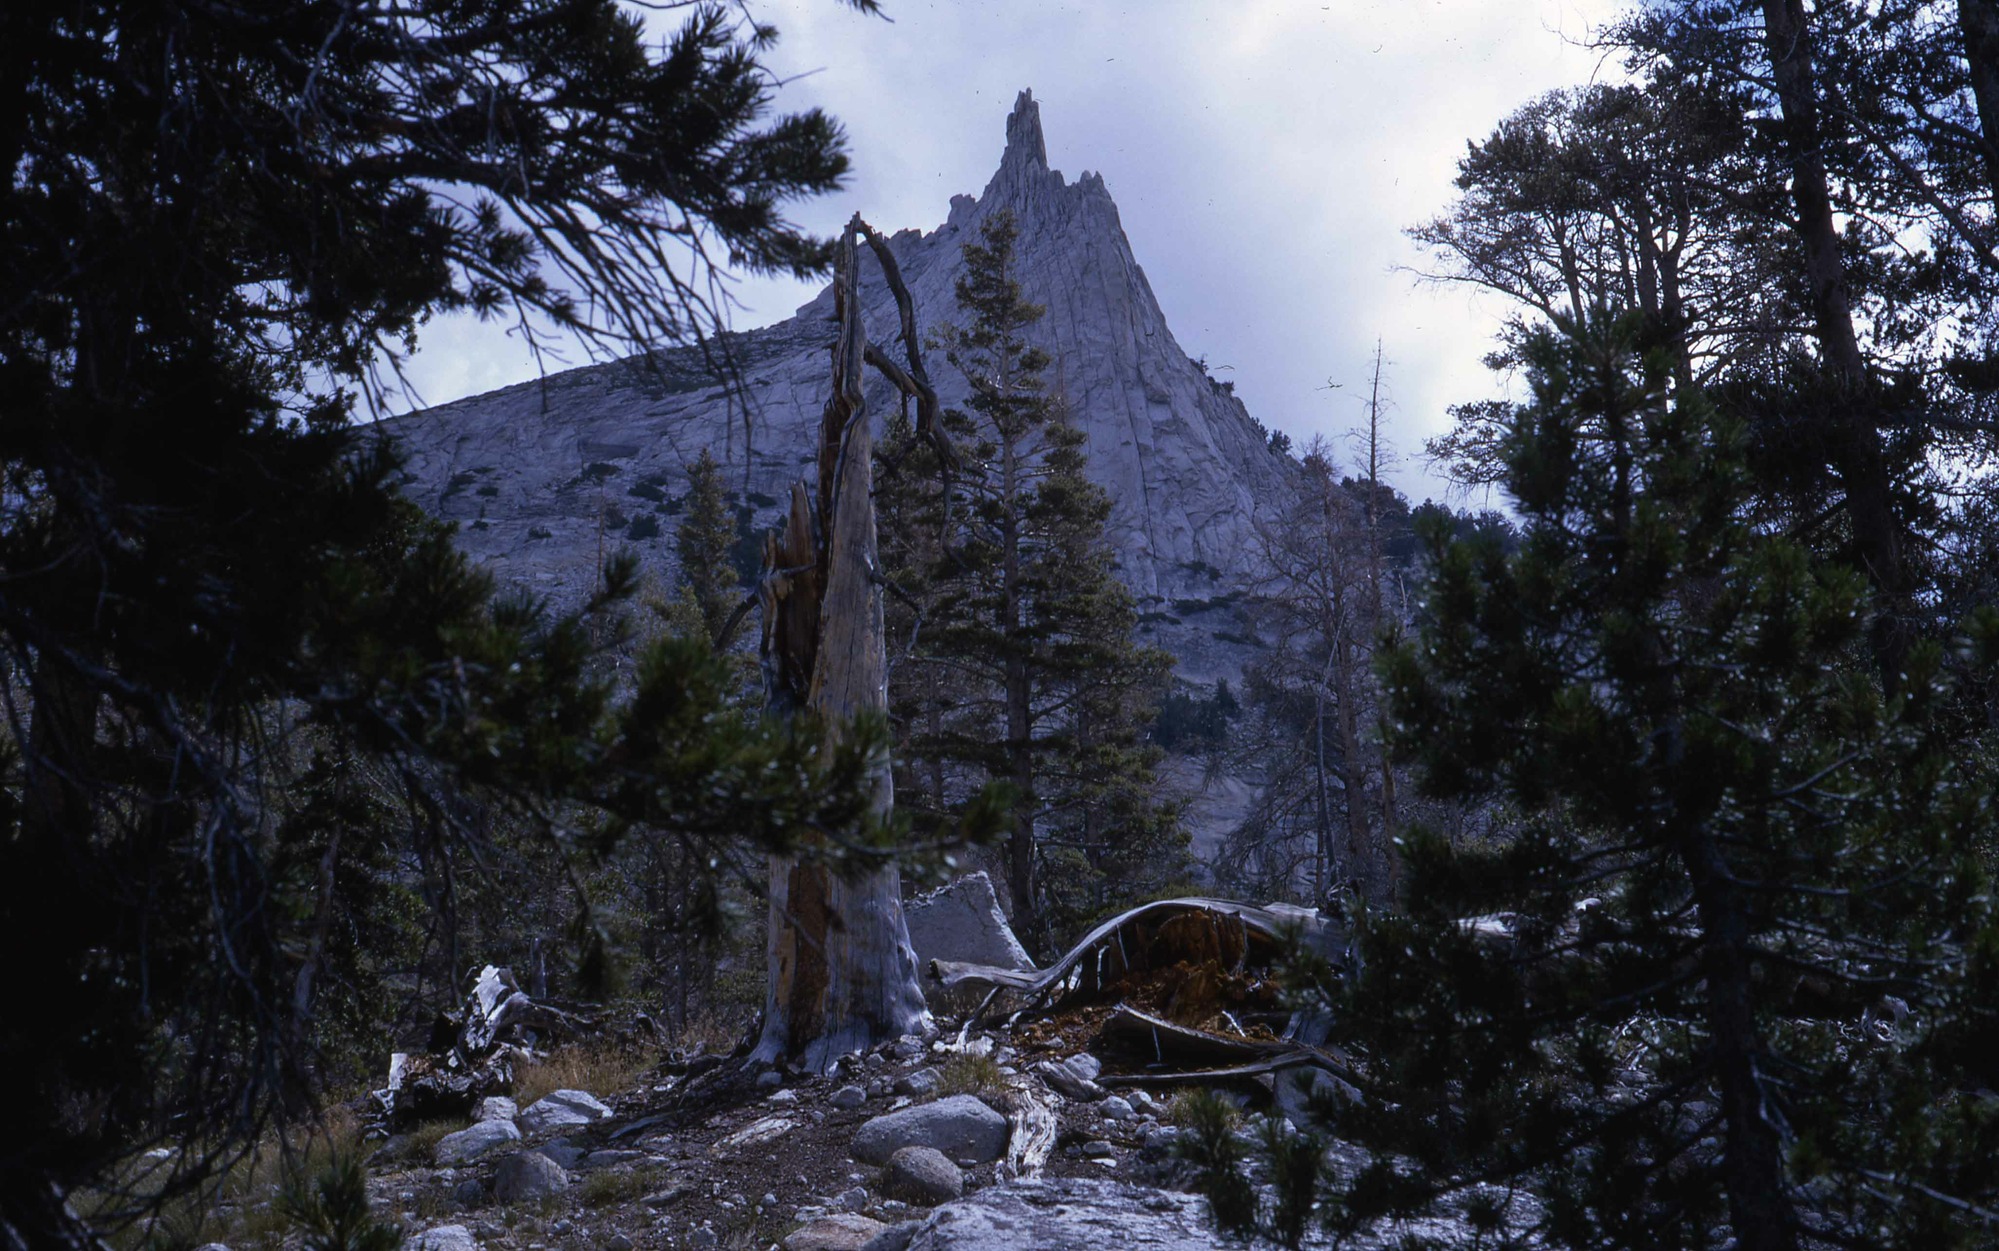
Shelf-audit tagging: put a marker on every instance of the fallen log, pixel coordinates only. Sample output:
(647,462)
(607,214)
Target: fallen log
(1123,944)
(1171,1043)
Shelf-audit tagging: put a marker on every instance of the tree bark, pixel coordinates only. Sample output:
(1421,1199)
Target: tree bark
(842,973)
(1759,1205)
(1863,469)
(1019,695)
(1979,20)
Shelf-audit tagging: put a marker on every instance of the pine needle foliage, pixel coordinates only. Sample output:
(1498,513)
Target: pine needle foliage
(1715,987)
(238,672)
(1022,668)
(330,1211)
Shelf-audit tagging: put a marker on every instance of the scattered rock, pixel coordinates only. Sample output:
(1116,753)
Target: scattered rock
(469,1193)
(618,1242)
(844,1232)
(783,1097)
(961,1127)
(852,1200)
(1097,1149)
(757,1132)
(496,1108)
(1145,1103)
(1296,1089)
(563,1109)
(1116,1108)
(894,1238)
(847,1098)
(469,1144)
(703,1237)
(1074,1078)
(600,1159)
(923,1175)
(1160,1139)
(562,1152)
(528,1175)
(679,1189)
(909,1048)
(920,1084)
(1068,1214)
(445,1238)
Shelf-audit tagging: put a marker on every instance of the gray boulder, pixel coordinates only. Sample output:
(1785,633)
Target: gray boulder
(923,1175)
(495,1108)
(962,1127)
(842,1232)
(847,1098)
(445,1238)
(528,1175)
(1296,1089)
(894,1238)
(1069,1214)
(469,1144)
(920,1084)
(962,922)
(1074,1077)
(563,1109)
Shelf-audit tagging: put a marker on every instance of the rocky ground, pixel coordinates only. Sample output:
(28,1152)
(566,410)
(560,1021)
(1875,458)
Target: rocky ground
(904,1147)
(913,1147)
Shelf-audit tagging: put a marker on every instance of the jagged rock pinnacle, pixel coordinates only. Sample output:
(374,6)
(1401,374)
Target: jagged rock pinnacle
(1024,145)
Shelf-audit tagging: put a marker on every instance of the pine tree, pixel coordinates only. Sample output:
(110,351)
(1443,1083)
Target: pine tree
(1024,670)
(1668,1000)
(218,219)
(706,544)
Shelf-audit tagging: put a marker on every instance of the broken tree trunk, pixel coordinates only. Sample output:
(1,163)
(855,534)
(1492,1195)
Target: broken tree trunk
(842,973)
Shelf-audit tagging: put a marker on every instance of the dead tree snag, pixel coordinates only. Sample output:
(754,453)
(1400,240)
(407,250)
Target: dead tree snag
(842,973)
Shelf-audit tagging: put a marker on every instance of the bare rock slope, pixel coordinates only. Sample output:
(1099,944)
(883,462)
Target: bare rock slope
(545,477)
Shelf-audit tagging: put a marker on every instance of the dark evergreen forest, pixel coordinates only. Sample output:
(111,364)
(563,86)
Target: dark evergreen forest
(1651,781)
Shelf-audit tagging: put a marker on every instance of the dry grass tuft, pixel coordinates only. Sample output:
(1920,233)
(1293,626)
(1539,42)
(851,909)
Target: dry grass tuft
(966,1074)
(602,1069)
(608,1187)
(1194,1105)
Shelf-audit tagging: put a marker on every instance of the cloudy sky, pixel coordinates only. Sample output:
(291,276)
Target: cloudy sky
(1265,157)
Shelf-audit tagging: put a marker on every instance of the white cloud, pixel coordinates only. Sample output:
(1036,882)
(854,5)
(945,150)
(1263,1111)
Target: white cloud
(1265,157)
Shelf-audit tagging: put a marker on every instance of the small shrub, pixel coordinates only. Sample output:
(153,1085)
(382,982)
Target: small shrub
(965,1074)
(1211,1146)
(332,1213)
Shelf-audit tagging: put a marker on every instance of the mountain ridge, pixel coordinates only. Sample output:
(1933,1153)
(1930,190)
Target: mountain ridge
(545,477)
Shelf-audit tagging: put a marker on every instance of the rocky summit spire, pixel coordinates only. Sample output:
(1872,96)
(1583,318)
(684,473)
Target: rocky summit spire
(1024,145)
(1023,173)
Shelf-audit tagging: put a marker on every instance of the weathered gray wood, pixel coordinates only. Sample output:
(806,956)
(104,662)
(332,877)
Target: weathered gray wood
(1269,925)
(842,973)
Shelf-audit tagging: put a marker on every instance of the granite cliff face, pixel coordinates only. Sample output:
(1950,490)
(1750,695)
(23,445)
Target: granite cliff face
(545,476)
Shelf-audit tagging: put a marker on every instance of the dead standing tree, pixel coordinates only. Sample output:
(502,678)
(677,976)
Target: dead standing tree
(842,973)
